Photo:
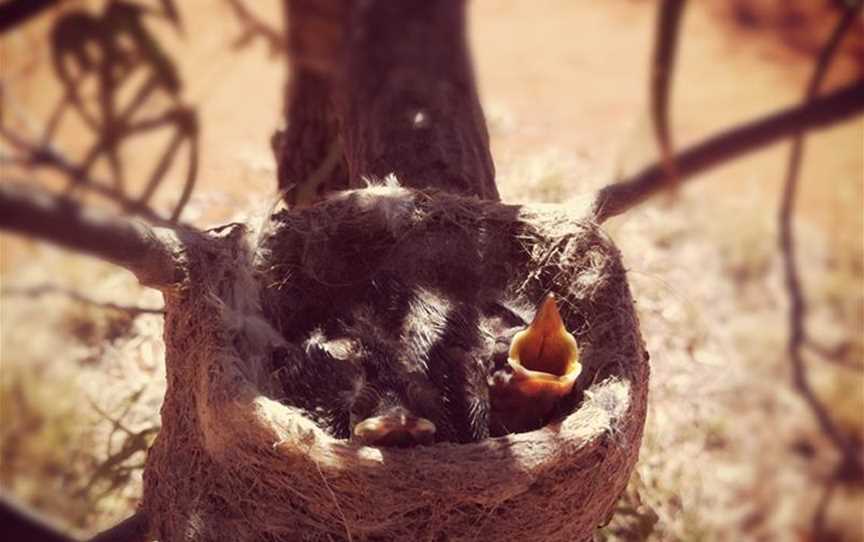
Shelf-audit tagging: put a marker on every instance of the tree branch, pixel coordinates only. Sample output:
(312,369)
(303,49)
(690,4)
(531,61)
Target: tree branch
(662,69)
(132,529)
(20,522)
(619,197)
(33,156)
(254,27)
(46,289)
(798,335)
(145,251)
(17,12)
(837,355)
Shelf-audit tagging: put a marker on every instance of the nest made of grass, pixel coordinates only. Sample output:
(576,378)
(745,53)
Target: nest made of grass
(233,463)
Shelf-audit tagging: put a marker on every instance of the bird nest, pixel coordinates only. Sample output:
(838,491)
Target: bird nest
(232,462)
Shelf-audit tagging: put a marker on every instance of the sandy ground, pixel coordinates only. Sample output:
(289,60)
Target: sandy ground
(731,452)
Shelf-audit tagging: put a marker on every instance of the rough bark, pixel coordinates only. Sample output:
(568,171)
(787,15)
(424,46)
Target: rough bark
(382,88)
(408,99)
(309,155)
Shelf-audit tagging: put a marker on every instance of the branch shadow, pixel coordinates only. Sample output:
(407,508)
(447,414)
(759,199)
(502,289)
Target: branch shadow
(254,28)
(119,83)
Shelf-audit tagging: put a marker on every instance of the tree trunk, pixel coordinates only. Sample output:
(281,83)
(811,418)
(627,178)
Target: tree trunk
(309,155)
(389,86)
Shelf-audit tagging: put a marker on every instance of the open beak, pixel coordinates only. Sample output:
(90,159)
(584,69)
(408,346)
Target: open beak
(395,429)
(545,356)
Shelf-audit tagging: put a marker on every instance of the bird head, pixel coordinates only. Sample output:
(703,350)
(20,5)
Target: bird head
(542,367)
(545,357)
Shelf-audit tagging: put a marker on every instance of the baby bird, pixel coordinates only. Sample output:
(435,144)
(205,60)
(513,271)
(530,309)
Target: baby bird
(399,369)
(356,390)
(541,368)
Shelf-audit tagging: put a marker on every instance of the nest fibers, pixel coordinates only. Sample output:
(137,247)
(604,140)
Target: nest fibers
(232,463)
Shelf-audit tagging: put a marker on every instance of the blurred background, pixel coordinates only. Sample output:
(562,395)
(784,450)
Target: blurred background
(150,106)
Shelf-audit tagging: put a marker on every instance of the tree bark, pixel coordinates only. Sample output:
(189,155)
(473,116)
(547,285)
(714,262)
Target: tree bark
(146,251)
(408,99)
(369,87)
(308,152)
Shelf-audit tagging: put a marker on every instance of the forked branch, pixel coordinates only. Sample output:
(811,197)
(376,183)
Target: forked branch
(147,252)
(842,104)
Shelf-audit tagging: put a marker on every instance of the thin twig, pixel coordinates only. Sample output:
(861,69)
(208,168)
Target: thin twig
(663,67)
(134,443)
(836,355)
(255,27)
(797,302)
(336,502)
(53,289)
(817,525)
(35,156)
(43,154)
(619,197)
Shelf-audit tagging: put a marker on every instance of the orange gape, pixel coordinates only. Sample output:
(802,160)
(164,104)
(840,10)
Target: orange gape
(544,359)
(546,346)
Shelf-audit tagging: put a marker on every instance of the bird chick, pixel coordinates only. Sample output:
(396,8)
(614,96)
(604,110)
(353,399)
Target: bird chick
(423,383)
(399,370)
(542,367)
(356,390)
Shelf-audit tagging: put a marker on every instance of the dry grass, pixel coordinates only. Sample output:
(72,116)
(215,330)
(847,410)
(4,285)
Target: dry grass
(41,458)
(80,388)
(731,452)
